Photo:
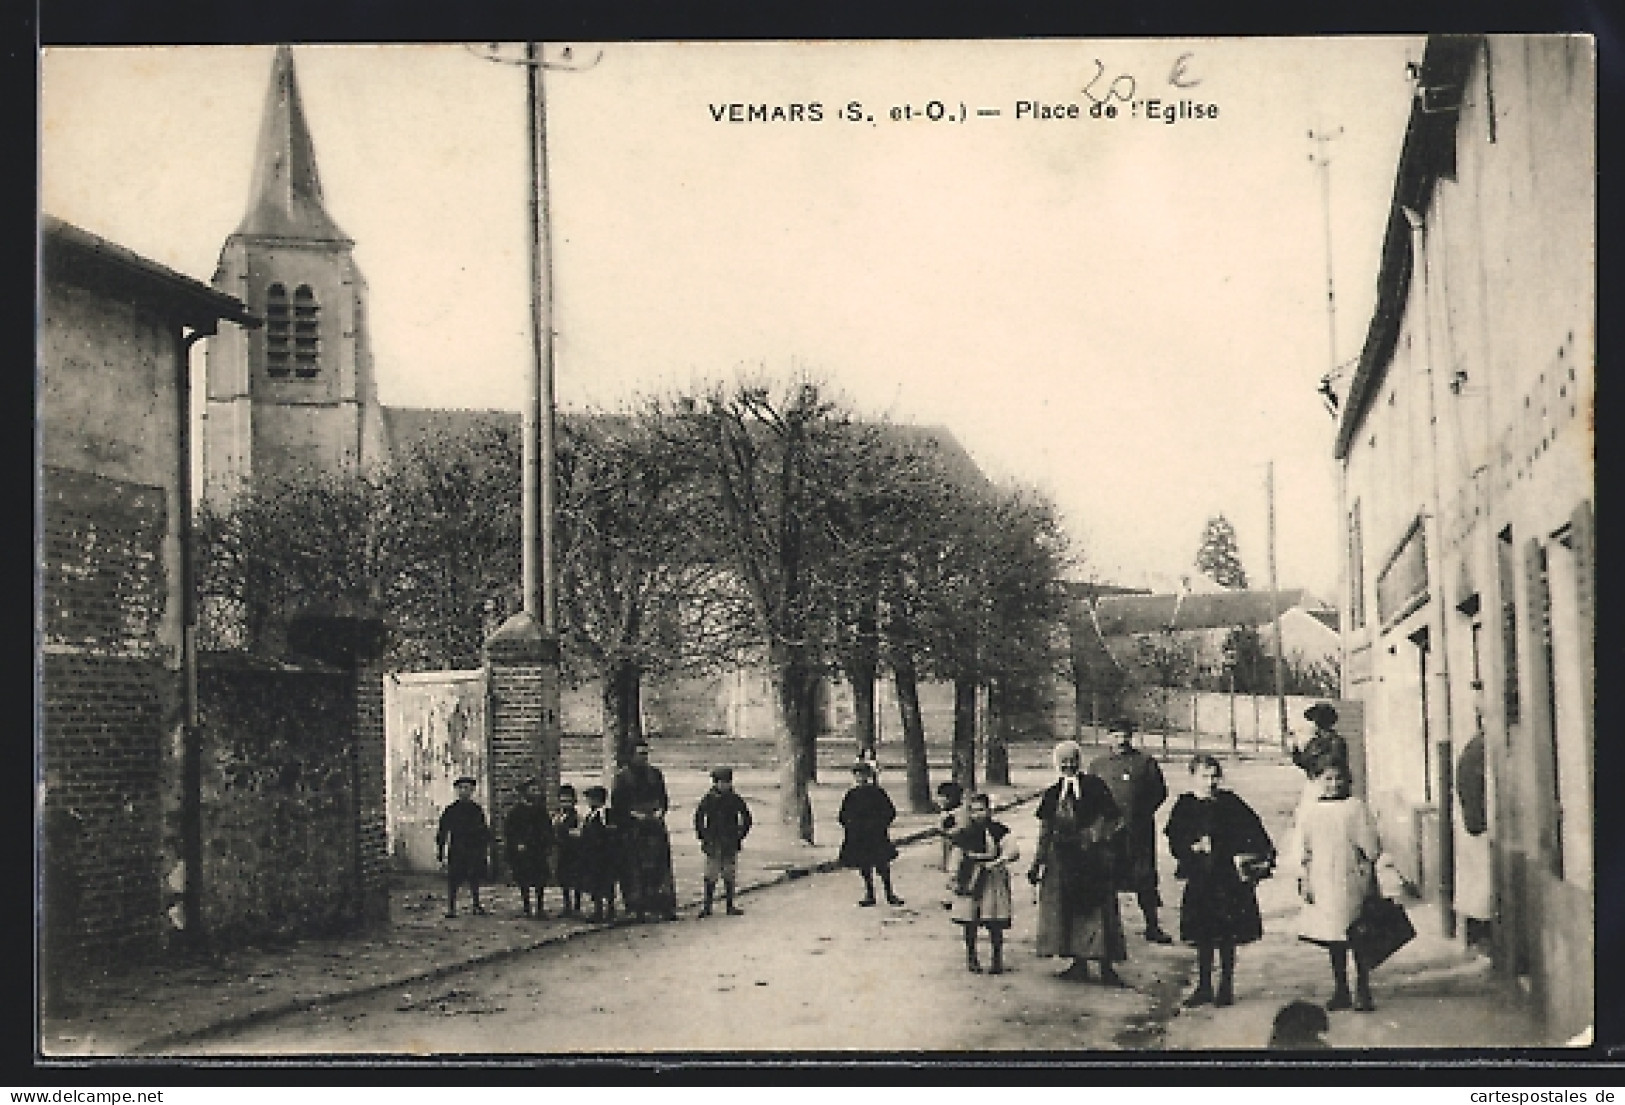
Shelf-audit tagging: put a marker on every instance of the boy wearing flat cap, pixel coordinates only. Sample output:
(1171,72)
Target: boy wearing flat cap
(462,844)
(721,821)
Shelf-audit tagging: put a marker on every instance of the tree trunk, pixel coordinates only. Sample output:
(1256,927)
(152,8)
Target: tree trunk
(861,669)
(794,681)
(907,681)
(1000,704)
(621,696)
(965,687)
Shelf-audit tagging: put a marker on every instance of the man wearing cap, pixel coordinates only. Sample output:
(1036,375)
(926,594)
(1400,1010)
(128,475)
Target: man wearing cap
(1325,748)
(1138,788)
(721,821)
(462,844)
(638,805)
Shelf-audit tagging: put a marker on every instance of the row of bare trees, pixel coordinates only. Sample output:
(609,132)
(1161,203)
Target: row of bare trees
(738,522)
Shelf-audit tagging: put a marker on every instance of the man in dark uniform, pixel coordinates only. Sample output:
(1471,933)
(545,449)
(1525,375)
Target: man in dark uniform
(463,827)
(1138,788)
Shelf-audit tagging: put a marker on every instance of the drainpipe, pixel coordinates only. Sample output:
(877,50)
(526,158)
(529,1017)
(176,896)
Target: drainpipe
(191,741)
(1435,558)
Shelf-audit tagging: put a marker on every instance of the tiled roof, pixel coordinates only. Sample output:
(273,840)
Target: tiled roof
(1120,615)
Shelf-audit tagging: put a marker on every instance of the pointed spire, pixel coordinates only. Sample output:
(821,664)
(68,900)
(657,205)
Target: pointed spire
(286,199)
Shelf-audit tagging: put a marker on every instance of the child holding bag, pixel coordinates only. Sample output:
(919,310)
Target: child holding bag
(980,880)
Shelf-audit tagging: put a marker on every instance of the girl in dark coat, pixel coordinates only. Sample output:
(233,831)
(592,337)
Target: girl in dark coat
(1220,845)
(866,815)
(527,834)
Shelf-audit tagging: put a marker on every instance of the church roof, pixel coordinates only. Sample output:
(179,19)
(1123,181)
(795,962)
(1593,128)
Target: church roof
(285,200)
(408,428)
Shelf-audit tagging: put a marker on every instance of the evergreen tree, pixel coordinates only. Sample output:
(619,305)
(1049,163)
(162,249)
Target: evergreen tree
(1219,558)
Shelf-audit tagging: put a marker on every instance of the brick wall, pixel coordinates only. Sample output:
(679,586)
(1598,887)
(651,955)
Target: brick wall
(372,846)
(279,791)
(108,700)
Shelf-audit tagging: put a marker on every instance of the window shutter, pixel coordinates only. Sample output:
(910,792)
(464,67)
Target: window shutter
(1539,714)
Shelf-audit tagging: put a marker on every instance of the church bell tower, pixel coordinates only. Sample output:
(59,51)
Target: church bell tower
(295,396)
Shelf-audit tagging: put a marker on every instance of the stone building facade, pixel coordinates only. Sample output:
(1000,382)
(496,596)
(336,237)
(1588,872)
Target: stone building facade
(120,848)
(1466,446)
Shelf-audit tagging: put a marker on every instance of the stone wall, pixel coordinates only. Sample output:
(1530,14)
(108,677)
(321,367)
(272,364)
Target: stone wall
(280,787)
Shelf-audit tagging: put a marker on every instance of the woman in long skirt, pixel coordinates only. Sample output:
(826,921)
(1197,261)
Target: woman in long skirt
(1337,847)
(1221,846)
(639,803)
(1077,905)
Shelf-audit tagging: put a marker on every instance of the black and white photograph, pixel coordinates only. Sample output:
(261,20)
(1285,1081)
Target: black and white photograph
(1040,547)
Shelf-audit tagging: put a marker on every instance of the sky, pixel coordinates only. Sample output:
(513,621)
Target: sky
(1127,313)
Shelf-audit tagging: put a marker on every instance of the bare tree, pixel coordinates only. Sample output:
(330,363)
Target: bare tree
(642,592)
(773,464)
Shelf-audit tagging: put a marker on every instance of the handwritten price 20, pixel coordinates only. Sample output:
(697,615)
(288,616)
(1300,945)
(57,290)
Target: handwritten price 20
(1122,87)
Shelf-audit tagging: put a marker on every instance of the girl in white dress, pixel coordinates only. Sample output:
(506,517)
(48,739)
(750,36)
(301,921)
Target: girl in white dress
(1338,848)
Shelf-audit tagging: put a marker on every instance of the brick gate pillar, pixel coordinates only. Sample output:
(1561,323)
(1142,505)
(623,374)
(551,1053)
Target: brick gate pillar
(350,638)
(522,677)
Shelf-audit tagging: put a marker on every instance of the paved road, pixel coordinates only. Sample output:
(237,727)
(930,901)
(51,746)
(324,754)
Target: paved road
(804,969)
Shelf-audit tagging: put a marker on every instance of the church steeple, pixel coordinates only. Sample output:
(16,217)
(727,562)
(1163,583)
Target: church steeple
(286,198)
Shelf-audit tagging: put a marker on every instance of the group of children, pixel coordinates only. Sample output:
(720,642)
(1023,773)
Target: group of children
(581,854)
(573,852)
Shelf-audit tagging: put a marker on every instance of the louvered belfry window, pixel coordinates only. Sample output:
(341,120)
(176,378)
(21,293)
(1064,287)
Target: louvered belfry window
(278,333)
(305,344)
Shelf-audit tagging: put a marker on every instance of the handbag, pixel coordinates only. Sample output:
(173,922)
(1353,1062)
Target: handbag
(1253,868)
(1381,929)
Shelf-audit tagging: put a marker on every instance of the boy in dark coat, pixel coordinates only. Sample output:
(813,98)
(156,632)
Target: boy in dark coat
(866,815)
(1138,788)
(463,844)
(527,834)
(598,855)
(721,821)
(567,850)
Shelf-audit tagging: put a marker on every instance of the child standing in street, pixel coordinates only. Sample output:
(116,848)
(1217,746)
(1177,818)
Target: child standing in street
(596,858)
(528,834)
(567,839)
(462,843)
(721,821)
(950,815)
(866,815)
(982,851)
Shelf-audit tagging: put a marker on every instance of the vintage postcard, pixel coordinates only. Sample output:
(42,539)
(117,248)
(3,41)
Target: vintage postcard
(1053,548)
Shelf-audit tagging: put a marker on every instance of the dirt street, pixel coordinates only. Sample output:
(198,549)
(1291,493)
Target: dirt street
(804,969)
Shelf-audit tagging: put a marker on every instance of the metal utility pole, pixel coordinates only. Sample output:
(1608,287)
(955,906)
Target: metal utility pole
(1275,614)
